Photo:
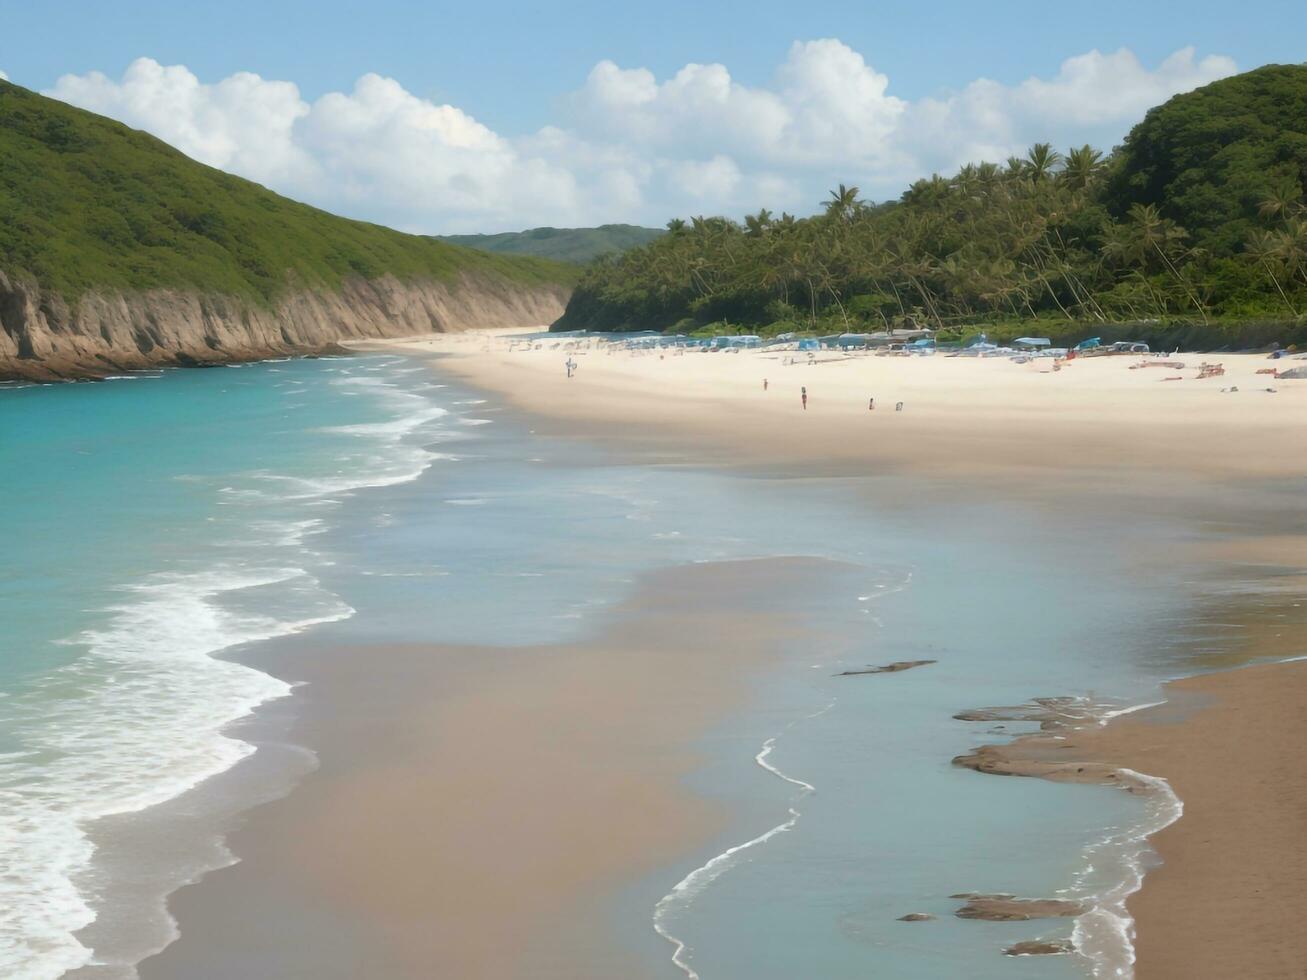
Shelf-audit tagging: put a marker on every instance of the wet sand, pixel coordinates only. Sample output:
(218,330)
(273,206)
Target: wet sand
(466,749)
(1227,899)
(1225,903)
(472,803)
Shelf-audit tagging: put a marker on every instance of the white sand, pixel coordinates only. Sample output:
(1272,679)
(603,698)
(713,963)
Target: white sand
(985,416)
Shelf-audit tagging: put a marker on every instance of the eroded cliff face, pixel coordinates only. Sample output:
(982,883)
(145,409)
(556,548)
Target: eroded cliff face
(44,338)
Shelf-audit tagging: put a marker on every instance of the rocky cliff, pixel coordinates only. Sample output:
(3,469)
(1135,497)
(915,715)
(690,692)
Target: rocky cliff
(45,338)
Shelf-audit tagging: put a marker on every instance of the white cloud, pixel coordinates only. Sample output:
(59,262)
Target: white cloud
(628,147)
(3,77)
(1093,98)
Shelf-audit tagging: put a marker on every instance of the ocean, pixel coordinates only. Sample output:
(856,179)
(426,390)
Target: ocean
(158,521)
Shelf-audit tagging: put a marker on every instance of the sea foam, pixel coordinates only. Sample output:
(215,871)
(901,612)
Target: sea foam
(134,722)
(141,715)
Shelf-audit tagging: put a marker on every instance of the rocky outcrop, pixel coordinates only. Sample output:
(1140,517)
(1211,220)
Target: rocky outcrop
(45,338)
(1007,908)
(1040,947)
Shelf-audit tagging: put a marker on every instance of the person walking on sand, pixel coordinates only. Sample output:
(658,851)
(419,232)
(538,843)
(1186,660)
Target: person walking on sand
(803,396)
(764,384)
(570,365)
(871,404)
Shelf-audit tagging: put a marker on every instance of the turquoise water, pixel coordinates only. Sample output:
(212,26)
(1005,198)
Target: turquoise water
(154,522)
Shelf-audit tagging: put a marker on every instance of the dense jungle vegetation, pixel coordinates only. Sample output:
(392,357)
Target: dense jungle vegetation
(1194,230)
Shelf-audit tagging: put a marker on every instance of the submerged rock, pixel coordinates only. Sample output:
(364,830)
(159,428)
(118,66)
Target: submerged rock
(1005,908)
(916,917)
(1040,947)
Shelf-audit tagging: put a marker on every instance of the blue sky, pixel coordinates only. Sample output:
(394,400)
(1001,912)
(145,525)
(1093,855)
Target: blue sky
(571,150)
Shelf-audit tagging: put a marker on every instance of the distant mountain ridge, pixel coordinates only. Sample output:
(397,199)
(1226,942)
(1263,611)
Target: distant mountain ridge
(119,252)
(575,245)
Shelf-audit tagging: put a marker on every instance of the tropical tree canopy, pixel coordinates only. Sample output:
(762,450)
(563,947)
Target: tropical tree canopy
(1200,215)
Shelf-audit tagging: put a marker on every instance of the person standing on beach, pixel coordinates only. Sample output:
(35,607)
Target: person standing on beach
(871,404)
(764,384)
(803,396)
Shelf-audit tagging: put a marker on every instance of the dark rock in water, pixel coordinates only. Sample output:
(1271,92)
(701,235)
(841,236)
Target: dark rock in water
(1005,908)
(916,917)
(893,668)
(1040,947)
(1048,713)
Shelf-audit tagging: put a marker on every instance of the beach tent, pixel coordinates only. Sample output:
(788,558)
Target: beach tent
(1033,342)
(1089,344)
(808,343)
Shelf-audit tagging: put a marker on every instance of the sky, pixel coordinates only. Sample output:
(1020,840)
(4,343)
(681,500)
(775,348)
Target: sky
(499,115)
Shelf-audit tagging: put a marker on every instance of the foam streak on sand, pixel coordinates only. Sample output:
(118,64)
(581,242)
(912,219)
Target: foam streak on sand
(1105,934)
(685,891)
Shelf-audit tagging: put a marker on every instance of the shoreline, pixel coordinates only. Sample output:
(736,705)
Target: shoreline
(506,854)
(1260,452)
(1223,897)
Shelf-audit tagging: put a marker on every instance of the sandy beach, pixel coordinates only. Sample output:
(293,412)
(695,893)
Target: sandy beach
(472,803)
(1099,432)
(979,418)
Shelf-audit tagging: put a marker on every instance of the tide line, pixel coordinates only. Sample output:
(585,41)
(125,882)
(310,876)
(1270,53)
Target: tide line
(700,878)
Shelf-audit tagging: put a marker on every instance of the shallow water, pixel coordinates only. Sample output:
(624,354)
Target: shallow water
(155,522)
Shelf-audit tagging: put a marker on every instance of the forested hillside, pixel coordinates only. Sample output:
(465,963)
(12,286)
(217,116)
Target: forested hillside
(1199,219)
(86,202)
(578,245)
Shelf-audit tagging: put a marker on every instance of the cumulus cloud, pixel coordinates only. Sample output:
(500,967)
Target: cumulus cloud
(3,77)
(1093,98)
(627,146)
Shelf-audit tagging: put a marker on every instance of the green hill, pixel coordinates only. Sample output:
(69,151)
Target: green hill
(86,202)
(1193,233)
(576,245)
(1210,159)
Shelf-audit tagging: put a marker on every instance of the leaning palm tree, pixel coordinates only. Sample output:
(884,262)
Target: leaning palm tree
(1263,248)
(1164,236)
(1291,247)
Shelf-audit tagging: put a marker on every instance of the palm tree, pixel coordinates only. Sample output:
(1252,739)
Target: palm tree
(1163,236)
(1041,161)
(1283,200)
(988,176)
(842,203)
(1083,167)
(758,224)
(1291,247)
(1264,249)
